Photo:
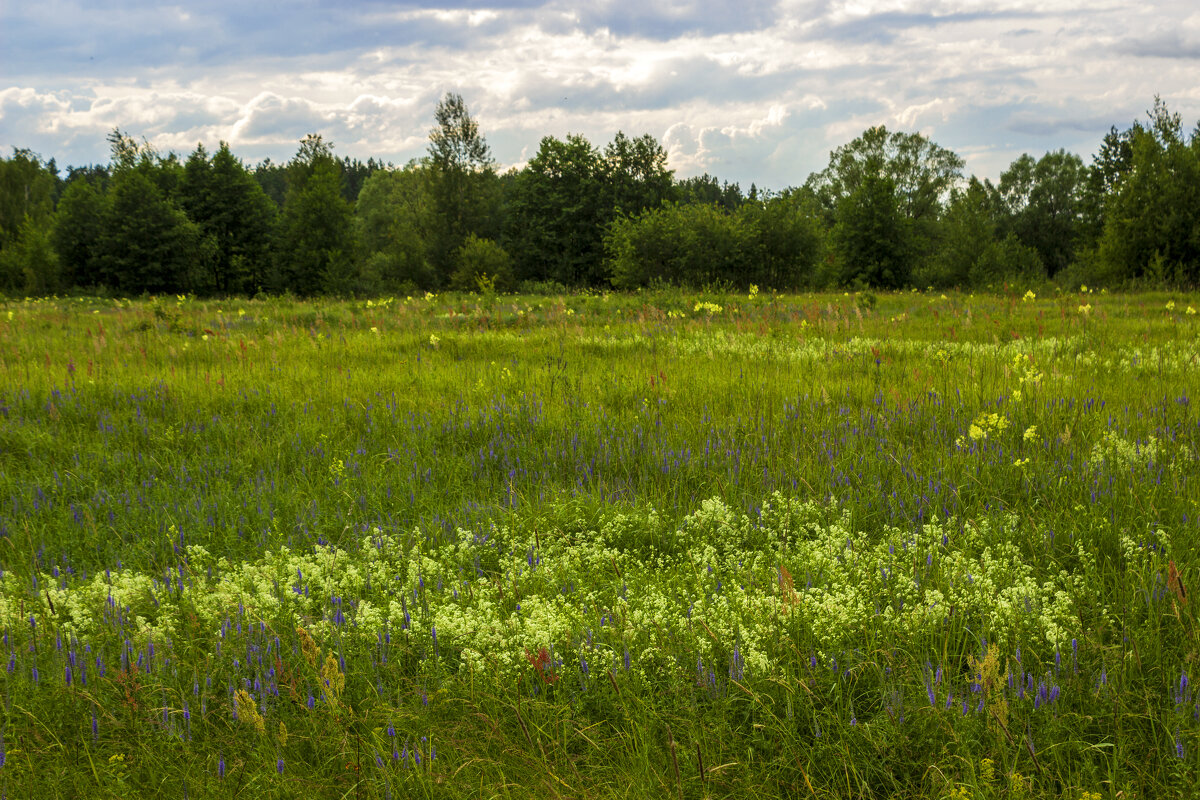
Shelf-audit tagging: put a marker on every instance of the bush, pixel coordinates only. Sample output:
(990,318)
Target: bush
(773,244)
(482,266)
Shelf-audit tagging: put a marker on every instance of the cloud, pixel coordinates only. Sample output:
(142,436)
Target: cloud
(664,21)
(1178,39)
(886,28)
(757,92)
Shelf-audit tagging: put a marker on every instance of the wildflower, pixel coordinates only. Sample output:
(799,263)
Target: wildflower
(1189,311)
(1030,434)
(1085,309)
(279,766)
(1170,305)
(1029,295)
(244,703)
(221,766)
(434,340)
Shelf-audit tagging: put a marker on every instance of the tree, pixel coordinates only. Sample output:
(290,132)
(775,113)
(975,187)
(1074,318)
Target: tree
(637,174)
(872,238)
(922,173)
(28,263)
(272,178)
(234,214)
(316,250)
(78,232)
(921,176)
(785,239)
(1044,205)
(26,192)
(694,245)
(395,223)
(355,174)
(972,249)
(1152,213)
(557,213)
(707,190)
(465,195)
(562,203)
(147,243)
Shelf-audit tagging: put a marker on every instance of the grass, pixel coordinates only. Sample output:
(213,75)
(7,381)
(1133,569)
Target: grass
(660,544)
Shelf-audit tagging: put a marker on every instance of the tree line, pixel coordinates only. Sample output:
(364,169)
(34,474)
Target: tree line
(890,210)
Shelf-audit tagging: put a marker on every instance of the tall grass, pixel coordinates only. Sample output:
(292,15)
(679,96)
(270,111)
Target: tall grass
(604,545)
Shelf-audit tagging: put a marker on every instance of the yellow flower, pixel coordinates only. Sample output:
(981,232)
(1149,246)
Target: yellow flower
(247,711)
(1030,434)
(332,677)
(1170,305)
(1190,310)
(1029,295)
(1087,309)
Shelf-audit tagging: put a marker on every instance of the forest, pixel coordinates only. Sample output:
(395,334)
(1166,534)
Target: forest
(891,210)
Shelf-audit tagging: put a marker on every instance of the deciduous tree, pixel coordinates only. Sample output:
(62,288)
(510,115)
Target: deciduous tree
(465,189)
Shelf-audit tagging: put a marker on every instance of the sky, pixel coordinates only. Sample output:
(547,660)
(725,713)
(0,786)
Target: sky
(753,91)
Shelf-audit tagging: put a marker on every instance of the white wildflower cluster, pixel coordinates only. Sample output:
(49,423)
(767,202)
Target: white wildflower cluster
(629,592)
(1115,450)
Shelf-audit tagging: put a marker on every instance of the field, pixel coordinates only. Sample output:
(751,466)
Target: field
(649,545)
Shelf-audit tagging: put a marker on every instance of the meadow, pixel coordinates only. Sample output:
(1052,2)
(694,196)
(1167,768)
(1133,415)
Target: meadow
(660,544)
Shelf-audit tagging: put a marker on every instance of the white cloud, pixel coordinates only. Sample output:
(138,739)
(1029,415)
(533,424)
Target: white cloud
(761,91)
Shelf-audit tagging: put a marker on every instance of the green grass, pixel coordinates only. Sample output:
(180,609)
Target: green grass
(604,545)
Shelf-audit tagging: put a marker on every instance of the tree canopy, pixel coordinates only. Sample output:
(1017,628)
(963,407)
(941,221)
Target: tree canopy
(890,209)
